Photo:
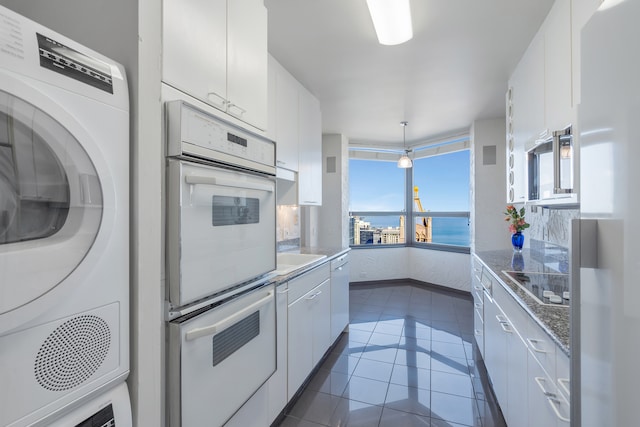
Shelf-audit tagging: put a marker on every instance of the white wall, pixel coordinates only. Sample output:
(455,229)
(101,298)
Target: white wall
(488,187)
(333,217)
(448,269)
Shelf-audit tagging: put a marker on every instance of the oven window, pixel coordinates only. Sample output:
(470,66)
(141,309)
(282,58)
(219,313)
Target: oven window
(229,210)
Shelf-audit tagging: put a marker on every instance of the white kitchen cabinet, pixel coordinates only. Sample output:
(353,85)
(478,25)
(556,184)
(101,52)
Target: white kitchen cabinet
(546,406)
(581,11)
(216,51)
(478,304)
(558,106)
(525,116)
(310,150)
(320,300)
(297,117)
(194,48)
(339,295)
(277,384)
(285,116)
(254,412)
(495,348)
(308,320)
(247,61)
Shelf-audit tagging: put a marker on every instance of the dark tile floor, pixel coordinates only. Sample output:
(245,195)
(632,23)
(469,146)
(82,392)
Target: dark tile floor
(409,359)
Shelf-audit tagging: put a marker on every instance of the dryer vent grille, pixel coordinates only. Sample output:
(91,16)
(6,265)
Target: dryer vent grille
(72,353)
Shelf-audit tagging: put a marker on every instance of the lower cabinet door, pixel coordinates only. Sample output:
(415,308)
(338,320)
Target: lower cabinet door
(546,406)
(300,343)
(321,324)
(517,405)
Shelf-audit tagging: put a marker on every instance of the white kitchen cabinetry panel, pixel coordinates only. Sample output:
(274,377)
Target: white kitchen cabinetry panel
(194,48)
(254,412)
(557,66)
(310,150)
(216,51)
(277,384)
(271,99)
(546,406)
(247,61)
(320,299)
(478,304)
(339,295)
(581,11)
(308,324)
(286,116)
(495,348)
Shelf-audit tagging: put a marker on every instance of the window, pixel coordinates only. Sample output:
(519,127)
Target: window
(425,206)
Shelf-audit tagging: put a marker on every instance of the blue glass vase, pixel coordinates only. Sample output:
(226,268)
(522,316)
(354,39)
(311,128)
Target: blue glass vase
(517,240)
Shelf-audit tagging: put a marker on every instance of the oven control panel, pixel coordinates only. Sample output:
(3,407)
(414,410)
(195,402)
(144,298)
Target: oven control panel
(194,133)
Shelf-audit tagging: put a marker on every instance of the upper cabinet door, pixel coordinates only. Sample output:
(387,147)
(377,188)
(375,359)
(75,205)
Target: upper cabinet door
(310,167)
(286,117)
(194,54)
(557,66)
(247,61)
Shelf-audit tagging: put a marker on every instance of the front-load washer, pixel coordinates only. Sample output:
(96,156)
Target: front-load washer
(64,223)
(109,409)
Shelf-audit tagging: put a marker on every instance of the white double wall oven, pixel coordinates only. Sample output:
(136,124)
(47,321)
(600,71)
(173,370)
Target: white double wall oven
(221,254)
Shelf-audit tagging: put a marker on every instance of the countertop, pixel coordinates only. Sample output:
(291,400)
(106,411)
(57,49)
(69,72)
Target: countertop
(553,319)
(331,253)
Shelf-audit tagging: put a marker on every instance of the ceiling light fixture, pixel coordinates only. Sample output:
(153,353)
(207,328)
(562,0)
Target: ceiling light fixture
(404,162)
(392,20)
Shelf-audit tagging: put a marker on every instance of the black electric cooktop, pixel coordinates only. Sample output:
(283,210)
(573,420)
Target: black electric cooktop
(547,288)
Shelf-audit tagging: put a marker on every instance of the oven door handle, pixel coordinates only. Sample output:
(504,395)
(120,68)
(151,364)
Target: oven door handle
(227,321)
(210,180)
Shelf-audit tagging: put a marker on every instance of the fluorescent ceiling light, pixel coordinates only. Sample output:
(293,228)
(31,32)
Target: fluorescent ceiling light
(392,20)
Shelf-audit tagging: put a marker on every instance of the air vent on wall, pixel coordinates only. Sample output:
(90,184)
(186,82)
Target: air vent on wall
(73,352)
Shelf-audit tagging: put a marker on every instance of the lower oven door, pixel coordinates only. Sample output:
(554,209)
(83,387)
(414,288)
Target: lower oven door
(218,359)
(221,229)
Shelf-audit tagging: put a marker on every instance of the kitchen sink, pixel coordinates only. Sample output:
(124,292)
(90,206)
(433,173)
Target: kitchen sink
(289,261)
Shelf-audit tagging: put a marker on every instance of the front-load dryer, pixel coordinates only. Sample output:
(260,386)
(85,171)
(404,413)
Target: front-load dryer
(64,223)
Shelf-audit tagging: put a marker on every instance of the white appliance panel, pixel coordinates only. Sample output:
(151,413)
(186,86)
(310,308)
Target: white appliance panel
(77,113)
(609,310)
(217,252)
(207,383)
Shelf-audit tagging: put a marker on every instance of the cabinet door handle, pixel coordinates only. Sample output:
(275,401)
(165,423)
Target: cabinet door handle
(217,99)
(240,111)
(477,288)
(540,381)
(478,305)
(565,384)
(314,295)
(227,321)
(554,403)
(506,327)
(533,345)
(284,291)
(478,332)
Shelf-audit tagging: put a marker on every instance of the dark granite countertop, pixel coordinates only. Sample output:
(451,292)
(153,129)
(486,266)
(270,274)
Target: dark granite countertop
(553,319)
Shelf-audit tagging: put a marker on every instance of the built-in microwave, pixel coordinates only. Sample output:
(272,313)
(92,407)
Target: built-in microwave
(550,168)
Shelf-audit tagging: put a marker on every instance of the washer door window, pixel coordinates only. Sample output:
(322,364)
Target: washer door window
(50,202)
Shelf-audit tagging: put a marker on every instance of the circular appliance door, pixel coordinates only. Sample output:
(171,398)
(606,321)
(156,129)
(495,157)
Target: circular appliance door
(50,203)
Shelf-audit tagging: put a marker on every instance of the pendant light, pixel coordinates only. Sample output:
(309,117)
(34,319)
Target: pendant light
(404,162)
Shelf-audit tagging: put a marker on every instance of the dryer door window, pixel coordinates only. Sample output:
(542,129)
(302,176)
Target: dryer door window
(50,201)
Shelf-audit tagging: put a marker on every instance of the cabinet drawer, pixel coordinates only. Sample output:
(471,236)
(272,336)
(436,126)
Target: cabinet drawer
(303,284)
(476,268)
(541,347)
(516,313)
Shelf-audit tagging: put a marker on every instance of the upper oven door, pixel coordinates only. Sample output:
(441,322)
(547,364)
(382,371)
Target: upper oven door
(221,229)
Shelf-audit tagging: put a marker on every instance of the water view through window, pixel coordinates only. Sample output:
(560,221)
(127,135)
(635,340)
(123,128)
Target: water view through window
(439,209)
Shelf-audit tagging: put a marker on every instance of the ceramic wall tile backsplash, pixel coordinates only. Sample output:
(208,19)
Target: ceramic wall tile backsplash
(551,225)
(288,225)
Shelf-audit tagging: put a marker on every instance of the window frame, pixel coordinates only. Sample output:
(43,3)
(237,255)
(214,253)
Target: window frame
(459,143)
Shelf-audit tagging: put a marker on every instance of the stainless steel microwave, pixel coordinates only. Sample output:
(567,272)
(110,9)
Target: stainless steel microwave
(550,167)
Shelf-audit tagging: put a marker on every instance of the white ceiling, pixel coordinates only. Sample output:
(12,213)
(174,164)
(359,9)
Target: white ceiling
(453,71)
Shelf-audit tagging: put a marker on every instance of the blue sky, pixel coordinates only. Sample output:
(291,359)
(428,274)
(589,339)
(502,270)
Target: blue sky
(443,183)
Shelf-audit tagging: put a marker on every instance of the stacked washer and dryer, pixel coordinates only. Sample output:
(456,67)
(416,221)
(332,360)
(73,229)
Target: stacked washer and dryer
(64,231)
